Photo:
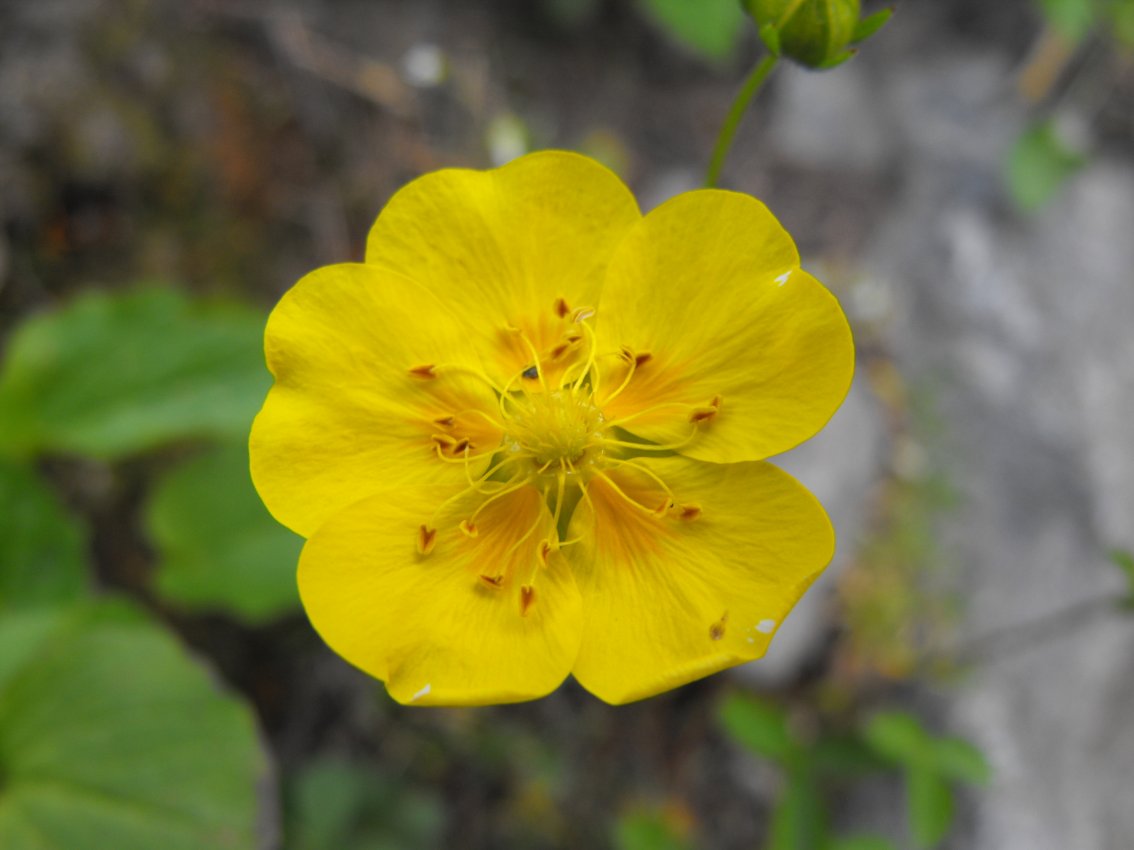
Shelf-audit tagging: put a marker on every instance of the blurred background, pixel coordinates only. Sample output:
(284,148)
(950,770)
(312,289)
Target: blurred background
(962,675)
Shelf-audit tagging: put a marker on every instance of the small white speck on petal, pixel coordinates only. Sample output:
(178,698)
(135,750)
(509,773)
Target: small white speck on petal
(421,693)
(782,279)
(752,640)
(766,626)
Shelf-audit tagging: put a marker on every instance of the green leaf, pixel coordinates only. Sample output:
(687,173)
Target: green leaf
(41,548)
(799,820)
(218,547)
(871,24)
(757,725)
(712,28)
(899,737)
(860,842)
(845,757)
(1124,560)
(334,803)
(961,761)
(1038,165)
(930,806)
(113,374)
(1072,18)
(112,737)
(648,830)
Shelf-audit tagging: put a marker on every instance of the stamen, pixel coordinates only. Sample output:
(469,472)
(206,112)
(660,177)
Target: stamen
(444,421)
(545,550)
(654,512)
(689,512)
(527,597)
(638,467)
(582,314)
(704,414)
(425,372)
(627,355)
(653,447)
(426,539)
(533,372)
(561,308)
(468,528)
(652,409)
(495,582)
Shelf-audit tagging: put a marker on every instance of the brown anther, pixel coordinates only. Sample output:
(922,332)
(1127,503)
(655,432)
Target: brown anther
(460,446)
(468,528)
(561,308)
(690,512)
(425,372)
(544,552)
(703,414)
(643,358)
(493,581)
(443,441)
(716,402)
(527,597)
(717,629)
(663,508)
(559,350)
(444,421)
(426,539)
(573,337)
(626,354)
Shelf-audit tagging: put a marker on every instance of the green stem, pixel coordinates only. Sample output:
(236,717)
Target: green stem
(751,86)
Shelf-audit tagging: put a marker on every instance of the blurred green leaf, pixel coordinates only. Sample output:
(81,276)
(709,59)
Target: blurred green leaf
(861,842)
(899,737)
(1125,561)
(1038,165)
(41,549)
(930,806)
(712,28)
(113,374)
(1072,18)
(334,803)
(112,737)
(218,547)
(648,830)
(1121,14)
(799,820)
(757,725)
(961,761)
(845,757)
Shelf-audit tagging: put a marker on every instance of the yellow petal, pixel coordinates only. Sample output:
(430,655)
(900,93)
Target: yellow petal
(672,598)
(508,249)
(454,626)
(347,415)
(737,336)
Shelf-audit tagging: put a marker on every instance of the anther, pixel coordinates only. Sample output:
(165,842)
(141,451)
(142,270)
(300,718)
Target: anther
(468,528)
(493,581)
(544,552)
(689,512)
(663,508)
(717,629)
(444,421)
(425,372)
(703,414)
(443,441)
(527,597)
(426,539)
(461,445)
(559,350)
(582,314)
(561,308)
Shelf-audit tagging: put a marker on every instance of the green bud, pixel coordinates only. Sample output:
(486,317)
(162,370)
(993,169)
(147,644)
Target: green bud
(815,33)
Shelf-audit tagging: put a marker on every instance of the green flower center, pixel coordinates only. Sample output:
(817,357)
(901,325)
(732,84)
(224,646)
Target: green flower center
(557,430)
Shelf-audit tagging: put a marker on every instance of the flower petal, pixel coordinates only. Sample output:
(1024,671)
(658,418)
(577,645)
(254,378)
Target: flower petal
(672,598)
(434,627)
(347,417)
(707,294)
(512,250)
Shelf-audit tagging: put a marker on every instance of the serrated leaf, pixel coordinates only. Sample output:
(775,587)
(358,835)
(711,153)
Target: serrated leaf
(1038,166)
(961,761)
(218,547)
(757,725)
(113,374)
(111,736)
(712,28)
(41,547)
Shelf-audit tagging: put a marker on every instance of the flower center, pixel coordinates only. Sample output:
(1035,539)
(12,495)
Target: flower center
(558,430)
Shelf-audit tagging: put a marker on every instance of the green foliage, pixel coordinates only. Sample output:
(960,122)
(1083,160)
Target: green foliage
(711,28)
(649,830)
(217,545)
(930,766)
(757,725)
(41,549)
(1124,560)
(112,374)
(1073,19)
(334,804)
(111,736)
(1038,165)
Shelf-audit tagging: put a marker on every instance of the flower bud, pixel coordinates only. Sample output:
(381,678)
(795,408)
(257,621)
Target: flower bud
(815,33)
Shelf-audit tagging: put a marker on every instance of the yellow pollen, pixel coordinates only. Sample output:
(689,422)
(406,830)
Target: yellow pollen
(553,429)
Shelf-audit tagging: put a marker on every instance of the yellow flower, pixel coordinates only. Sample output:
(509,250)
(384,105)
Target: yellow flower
(525,437)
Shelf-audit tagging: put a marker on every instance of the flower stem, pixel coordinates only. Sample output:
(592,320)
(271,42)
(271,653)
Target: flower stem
(752,84)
